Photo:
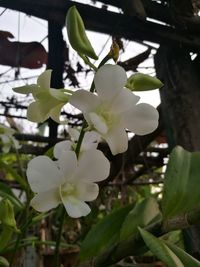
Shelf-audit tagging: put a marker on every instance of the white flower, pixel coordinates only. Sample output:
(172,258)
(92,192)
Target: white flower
(6,135)
(114,109)
(48,101)
(90,141)
(68,180)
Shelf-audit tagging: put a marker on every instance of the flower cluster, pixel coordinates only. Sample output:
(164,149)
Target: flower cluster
(109,112)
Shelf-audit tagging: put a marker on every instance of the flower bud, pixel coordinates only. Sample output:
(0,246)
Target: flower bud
(114,51)
(143,82)
(76,34)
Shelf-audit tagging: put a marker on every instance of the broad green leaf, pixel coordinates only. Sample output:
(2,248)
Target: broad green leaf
(186,259)
(104,234)
(6,192)
(181,184)
(143,214)
(3,262)
(143,82)
(160,250)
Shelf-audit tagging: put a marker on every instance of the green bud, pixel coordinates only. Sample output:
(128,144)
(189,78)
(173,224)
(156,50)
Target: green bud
(7,216)
(143,82)
(76,34)
(114,51)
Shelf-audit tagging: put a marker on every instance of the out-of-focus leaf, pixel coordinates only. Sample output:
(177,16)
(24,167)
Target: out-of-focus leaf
(143,214)
(181,190)
(7,215)
(104,233)
(6,192)
(159,249)
(5,236)
(3,262)
(14,174)
(186,259)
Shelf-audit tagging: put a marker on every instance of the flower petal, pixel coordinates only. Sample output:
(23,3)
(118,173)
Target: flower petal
(87,191)
(67,163)
(46,200)
(59,95)
(108,80)
(93,166)
(142,119)
(75,207)
(98,123)
(55,114)
(26,89)
(117,140)
(43,174)
(91,137)
(44,80)
(124,101)
(90,141)
(35,113)
(60,147)
(74,133)
(85,101)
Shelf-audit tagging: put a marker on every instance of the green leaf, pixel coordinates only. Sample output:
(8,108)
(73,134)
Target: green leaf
(14,174)
(7,216)
(6,192)
(3,262)
(143,214)
(186,259)
(143,82)
(159,249)
(5,237)
(104,234)
(181,190)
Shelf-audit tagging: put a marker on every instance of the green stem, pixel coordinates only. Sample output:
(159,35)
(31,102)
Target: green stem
(58,241)
(88,62)
(77,151)
(22,234)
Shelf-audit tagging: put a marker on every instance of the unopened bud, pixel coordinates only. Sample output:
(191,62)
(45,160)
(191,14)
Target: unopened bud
(77,35)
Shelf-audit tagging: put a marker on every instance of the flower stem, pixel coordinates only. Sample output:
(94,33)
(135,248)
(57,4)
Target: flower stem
(23,232)
(56,257)
(77,151)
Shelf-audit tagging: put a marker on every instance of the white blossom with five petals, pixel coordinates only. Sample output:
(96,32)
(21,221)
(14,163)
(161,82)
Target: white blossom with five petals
(114,109)
(67,180)
(48,101)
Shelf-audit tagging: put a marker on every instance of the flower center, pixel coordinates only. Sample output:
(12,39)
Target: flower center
(68,189)
(103,119)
